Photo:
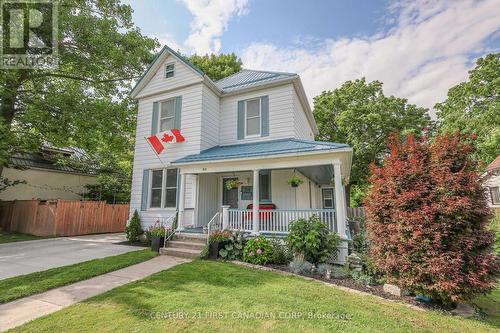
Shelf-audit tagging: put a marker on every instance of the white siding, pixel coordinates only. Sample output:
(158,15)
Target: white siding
(210,119)
(492,181)
(145,158)
(183,75)
(281,111)
(303,129)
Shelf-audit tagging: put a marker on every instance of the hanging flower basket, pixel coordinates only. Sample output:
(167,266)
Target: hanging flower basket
(233,183)
(295,181)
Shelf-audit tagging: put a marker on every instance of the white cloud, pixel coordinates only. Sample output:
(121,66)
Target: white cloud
(210,20)
(425,53)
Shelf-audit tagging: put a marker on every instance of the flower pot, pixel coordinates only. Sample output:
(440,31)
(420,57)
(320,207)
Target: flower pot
(295,185)
(156,243)
(214,249)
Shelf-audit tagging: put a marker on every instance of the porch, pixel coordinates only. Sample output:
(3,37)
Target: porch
(262,202)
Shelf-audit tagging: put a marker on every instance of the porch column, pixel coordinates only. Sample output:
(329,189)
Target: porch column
(340,208)
(182,194)
(340,211)
(255,213)
(225,217)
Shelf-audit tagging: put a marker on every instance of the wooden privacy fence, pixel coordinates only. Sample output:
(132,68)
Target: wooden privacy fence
(355,212)
(62,217)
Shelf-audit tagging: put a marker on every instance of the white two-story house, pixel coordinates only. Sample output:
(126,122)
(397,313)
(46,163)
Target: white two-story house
(245,137)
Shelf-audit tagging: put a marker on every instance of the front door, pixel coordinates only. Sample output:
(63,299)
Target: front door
(229,197)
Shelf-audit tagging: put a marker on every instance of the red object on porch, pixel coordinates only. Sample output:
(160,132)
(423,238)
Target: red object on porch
(269,206)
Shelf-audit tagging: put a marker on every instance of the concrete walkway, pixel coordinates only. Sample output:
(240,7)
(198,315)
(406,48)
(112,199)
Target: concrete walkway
(26,309)
(19,258)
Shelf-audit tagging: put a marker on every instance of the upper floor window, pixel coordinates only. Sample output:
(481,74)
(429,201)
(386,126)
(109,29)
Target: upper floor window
(252,117)
(167,115)
(163,188)
(169,70)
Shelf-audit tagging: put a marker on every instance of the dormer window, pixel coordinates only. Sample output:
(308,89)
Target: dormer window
(169,70)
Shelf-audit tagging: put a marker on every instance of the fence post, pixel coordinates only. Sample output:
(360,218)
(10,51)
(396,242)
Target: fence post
(225,217)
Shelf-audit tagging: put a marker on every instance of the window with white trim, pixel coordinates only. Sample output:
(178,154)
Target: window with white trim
(163,188)
(495,195)
(167,115)
(169,70)
(252,117)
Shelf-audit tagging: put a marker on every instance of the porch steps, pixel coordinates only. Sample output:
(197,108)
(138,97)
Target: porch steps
(185,245)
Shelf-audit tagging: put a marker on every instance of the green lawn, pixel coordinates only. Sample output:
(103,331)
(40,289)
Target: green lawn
(490,306)
(29,284)
(206,296)
(7,237)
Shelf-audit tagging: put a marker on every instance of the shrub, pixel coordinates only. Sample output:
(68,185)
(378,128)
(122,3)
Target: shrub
(134,229)
(233,250)
(302,267)
(427,217)
(323,268)
(312,239)
(363,278)
(339,272)
(281,254)
(257,251)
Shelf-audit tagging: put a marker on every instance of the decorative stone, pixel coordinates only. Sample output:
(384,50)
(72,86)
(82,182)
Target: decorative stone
(392,289)
(142,238)
(354,262)
(464,310)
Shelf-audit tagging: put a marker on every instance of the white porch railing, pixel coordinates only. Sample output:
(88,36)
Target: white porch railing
(214,224)
(278,220)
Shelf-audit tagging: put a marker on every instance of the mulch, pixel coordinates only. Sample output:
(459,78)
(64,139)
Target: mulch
(376,290)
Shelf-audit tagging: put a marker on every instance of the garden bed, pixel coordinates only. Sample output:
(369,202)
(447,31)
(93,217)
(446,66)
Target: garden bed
(350,283)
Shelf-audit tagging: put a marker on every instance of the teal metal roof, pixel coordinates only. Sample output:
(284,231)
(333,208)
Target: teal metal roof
(247,77)
(261,148)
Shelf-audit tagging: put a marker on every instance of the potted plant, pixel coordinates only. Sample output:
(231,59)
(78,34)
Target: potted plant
(157,234)
(295,181)
(217,241)
(232,183)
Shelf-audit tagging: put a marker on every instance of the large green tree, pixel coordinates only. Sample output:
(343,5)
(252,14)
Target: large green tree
(83,102)
(473,107)
(217,66)
(360,115)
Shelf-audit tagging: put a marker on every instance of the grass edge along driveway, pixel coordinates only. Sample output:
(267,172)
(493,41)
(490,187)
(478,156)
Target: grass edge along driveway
(10,237)
(208,296)
(25,285)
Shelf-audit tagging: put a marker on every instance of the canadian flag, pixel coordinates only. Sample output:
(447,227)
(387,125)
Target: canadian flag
(157,141)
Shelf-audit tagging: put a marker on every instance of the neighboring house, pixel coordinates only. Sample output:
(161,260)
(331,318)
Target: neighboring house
(255,127)
(43,178)
(491,182)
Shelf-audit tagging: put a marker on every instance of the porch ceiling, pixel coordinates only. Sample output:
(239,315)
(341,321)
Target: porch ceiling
(320,174)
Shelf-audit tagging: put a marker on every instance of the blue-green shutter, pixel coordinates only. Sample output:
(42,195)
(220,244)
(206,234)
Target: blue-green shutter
(145,189)
(154,119)
(264,114)
(178,109)
(241,120)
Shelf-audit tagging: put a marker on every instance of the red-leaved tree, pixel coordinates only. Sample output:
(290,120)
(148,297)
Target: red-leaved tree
(427,220)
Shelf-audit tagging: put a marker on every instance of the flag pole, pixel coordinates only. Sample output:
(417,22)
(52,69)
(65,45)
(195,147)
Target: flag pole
(155,152)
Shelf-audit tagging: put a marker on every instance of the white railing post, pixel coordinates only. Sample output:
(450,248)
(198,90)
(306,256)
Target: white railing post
(225,217)
(255,213)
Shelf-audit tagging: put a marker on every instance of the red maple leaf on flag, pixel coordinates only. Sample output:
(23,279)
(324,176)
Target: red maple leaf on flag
(167,138)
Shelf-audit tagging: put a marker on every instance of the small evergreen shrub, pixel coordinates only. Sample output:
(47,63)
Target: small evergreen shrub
(301,267)
(312,239)
(133,230)
(257,251)
(281,254)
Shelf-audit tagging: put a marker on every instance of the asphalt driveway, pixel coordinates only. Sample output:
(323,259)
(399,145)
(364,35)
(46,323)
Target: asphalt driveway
(20,258)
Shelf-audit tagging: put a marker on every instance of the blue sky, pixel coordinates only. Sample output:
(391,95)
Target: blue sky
(417,48)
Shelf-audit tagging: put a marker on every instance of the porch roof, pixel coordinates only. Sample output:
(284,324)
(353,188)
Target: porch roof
(261,148)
